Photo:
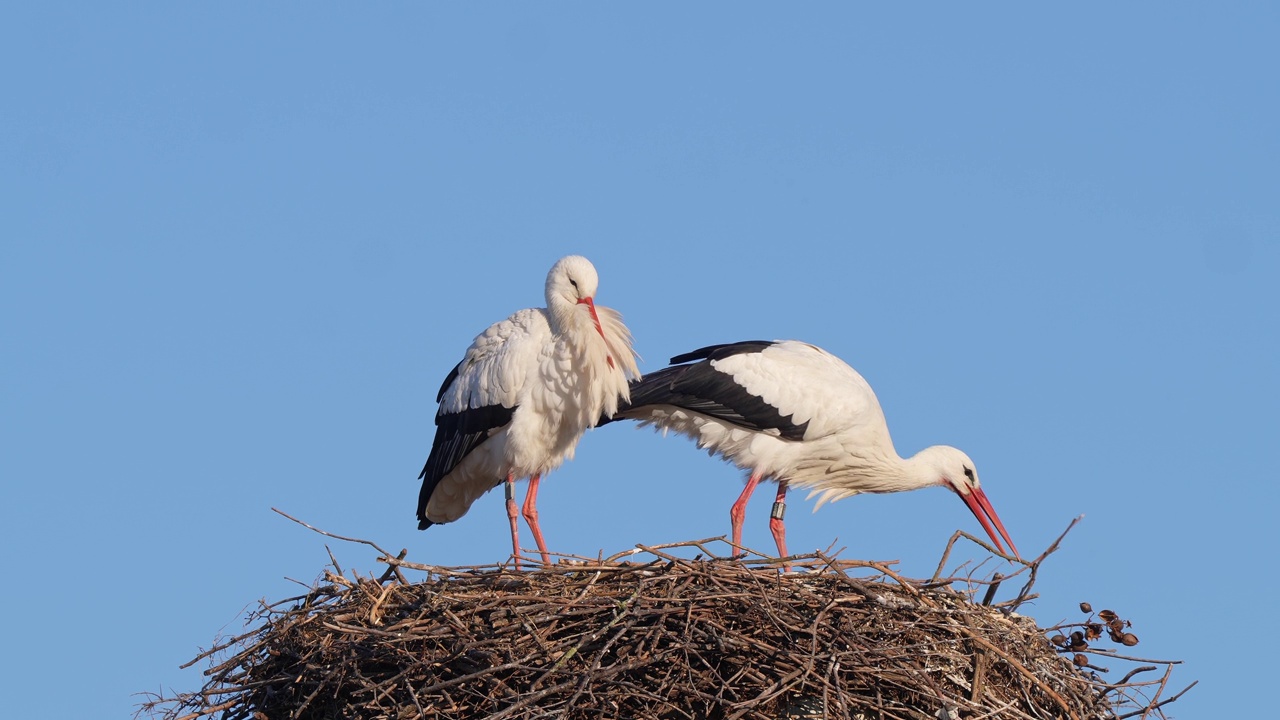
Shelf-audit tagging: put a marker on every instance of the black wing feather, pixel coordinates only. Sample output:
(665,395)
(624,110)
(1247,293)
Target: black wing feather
(701,388)
(457,434)
(448,380)
(719,352)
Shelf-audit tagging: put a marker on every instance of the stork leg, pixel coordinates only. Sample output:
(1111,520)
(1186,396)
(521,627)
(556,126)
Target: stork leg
(513,515)
(776,525)
(531,517)
(738,512)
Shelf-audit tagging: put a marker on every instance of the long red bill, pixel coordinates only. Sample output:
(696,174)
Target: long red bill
(981,508)
(591,307)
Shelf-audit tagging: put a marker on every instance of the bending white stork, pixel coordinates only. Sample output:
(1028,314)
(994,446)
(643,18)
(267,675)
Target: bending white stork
(523,395)
(794,413)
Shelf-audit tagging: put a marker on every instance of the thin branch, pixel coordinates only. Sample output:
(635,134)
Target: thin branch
(370,543)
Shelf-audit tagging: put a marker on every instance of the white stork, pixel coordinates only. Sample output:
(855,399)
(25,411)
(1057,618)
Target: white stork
(794,413)
(523,395)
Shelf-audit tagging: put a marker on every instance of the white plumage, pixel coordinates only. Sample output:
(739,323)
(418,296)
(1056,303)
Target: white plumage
(794,413)
(523,395)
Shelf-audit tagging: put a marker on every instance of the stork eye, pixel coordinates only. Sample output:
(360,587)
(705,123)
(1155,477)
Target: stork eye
(574,283)
(968,472)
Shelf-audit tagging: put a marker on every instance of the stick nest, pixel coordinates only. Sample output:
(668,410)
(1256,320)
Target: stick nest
(656,636)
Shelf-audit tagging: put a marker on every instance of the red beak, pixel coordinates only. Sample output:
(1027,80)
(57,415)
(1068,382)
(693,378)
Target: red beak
(591,307)
(981,508)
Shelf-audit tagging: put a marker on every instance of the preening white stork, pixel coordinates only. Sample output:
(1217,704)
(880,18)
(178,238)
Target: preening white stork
(523,395)
(794,413)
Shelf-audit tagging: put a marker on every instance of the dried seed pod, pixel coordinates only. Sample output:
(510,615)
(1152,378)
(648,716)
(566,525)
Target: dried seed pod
(1107,615)
(1080,660)
(1058,639)
(1086,607)
(1077,641)
(1129,639)
(1117,625)
(1092,631)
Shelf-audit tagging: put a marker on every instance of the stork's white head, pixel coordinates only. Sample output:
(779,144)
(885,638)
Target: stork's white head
(572,279)
(953,469)
(571,293)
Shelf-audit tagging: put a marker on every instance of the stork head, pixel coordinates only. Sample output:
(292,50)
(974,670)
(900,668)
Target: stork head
(571,293)
(572,279)
(956,471)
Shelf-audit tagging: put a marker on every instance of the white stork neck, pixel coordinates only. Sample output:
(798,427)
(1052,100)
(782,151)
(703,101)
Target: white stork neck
(869,468)
(888,472)
(571,321)
(928,467)
(561,313)
(915,474)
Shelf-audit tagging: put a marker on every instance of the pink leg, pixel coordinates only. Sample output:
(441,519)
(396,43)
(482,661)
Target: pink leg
(531,517)
(738,512)
(776,525)
(512,515)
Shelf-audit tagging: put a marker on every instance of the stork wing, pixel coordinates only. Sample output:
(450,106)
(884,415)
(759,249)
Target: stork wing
(481,394)
(703,388)
(720,352)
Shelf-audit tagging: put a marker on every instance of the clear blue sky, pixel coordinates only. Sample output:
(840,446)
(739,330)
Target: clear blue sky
(241,246)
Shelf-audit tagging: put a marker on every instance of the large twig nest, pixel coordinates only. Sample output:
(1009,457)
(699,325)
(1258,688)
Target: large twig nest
(668,638)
